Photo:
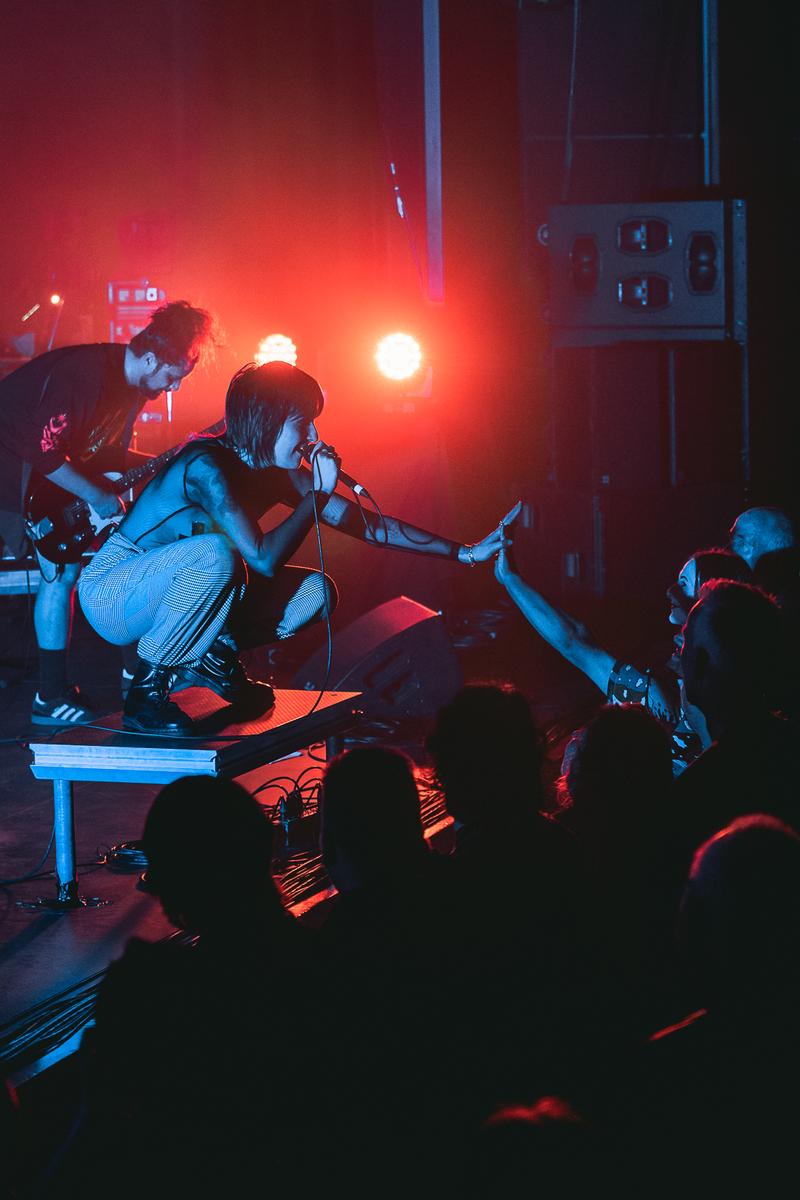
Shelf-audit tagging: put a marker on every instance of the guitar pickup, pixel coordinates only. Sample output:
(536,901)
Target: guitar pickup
(40,530)
(75,514)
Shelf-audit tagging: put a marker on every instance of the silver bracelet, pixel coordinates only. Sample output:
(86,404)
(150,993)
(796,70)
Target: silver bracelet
(470,556)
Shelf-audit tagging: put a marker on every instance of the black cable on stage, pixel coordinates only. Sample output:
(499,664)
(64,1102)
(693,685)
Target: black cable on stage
(175,737)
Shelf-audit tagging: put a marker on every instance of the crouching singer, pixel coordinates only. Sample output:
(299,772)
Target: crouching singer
(191,577)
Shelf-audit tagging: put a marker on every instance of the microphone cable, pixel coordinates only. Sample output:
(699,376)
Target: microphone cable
(367,527)
(327,610)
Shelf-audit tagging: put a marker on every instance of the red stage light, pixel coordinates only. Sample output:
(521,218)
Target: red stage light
(55,298)
(398,356)
(276,348)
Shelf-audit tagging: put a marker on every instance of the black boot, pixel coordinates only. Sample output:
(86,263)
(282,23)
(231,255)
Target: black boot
(221,670)
(148,707)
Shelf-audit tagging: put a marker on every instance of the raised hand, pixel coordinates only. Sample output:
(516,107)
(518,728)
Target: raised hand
(504,566)
(494,542)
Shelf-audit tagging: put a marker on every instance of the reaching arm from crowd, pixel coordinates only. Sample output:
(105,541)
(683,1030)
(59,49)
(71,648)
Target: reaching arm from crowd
(563,632)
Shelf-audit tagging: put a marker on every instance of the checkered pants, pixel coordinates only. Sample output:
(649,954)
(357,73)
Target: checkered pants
(176,600)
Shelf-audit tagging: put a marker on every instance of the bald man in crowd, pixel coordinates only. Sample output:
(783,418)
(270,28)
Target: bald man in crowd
(760,531)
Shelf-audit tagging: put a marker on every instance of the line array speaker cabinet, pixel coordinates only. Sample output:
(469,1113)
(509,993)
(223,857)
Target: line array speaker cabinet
(647,272)
(398,654)
(619,546)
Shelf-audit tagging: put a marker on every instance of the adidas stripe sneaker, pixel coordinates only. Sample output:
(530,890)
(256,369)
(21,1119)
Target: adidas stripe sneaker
(69,709)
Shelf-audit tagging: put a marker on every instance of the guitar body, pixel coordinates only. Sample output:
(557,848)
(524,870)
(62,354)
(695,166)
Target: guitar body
(61,526)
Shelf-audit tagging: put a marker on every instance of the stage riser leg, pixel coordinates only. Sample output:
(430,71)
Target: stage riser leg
(64,818)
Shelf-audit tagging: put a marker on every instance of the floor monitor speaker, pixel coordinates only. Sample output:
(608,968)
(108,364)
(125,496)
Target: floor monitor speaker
(398,654)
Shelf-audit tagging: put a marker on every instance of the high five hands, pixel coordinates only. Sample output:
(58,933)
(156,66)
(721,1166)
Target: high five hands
(494,543)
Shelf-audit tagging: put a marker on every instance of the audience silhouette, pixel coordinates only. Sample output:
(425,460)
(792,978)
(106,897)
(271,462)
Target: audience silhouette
(615,797)
(733,662)
(534,982)
(723,1082)
(384,934)
(197,1067)
(545,1149)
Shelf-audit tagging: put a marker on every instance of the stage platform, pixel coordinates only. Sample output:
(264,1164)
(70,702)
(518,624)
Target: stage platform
(101,781)
(225,744)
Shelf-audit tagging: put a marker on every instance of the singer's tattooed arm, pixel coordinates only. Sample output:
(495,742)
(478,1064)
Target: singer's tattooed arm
(368,526)
(209,485)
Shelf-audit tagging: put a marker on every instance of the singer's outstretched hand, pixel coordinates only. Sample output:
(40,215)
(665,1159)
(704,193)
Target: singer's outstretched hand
(491,545)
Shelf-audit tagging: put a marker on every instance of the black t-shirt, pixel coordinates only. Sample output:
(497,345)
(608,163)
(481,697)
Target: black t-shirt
(67,403)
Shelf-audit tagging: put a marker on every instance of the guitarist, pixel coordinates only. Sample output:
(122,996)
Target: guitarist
(60,415)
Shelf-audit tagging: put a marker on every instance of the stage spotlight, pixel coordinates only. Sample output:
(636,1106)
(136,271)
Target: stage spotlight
(398,356)
(55,298)
(276,348)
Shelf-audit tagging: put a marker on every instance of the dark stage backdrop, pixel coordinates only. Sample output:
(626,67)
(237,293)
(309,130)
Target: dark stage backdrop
(232,151)
(238,155)
(641,457)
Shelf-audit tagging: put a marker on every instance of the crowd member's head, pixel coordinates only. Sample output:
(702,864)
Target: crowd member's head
(487,755)
(740,918)
(759,531)
(371,823)
(777,572)
(168,348)
(270,412)
(542,1149)
(732,657)
(209,846)
(700,569)
(616,770)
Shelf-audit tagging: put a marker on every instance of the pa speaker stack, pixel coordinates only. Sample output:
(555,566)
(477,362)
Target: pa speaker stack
(647,271)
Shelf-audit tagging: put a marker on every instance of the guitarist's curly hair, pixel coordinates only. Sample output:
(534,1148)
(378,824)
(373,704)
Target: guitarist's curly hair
(176,333)
(260,399)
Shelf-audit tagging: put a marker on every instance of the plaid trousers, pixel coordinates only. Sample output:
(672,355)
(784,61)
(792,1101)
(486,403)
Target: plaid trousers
(176,600)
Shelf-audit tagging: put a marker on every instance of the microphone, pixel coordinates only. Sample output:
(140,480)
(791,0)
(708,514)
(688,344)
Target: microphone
(351,483)
(344,478)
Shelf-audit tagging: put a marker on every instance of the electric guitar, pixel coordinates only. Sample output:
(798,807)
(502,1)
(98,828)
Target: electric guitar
(62,526)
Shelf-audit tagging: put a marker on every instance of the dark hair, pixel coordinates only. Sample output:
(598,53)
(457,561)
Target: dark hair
(740,912)
(777,572)
(207,839)
(176,334)
(261,399)
(621,763)
(370,809)
(720,563)
(746,627)
(546,1149)
(486,752)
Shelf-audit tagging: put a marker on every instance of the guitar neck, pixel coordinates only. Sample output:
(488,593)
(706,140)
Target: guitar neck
(146,470)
